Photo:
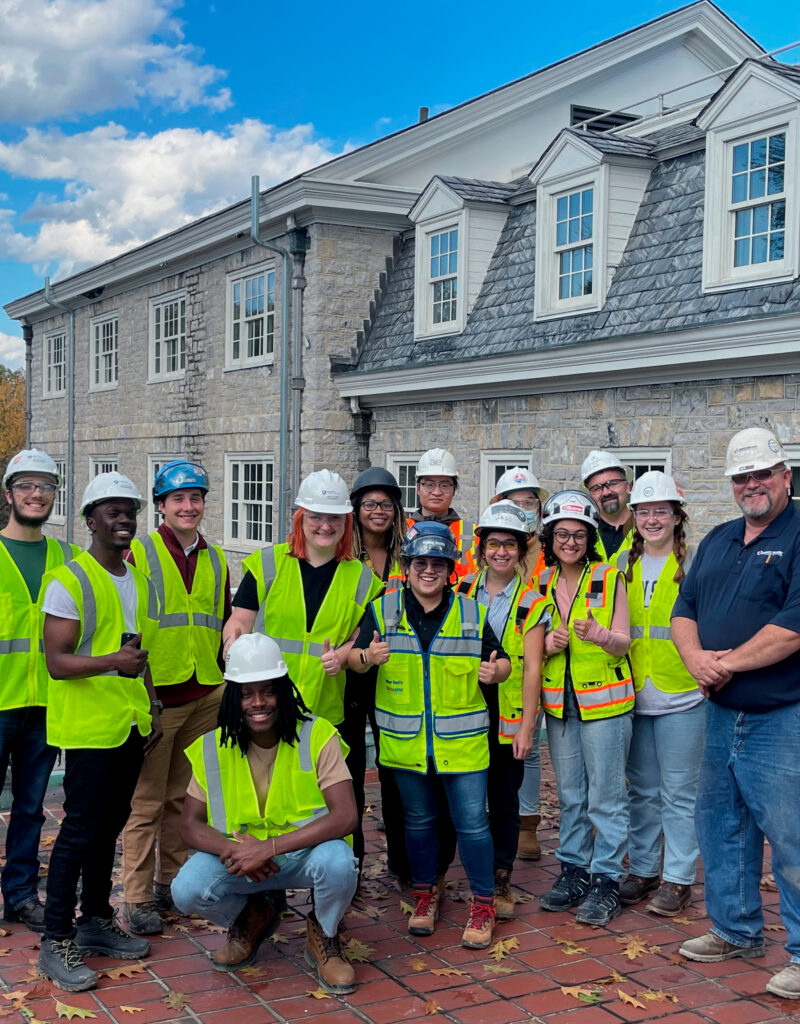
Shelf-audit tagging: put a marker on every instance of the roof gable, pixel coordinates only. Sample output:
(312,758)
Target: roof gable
(754,88)
(572,152)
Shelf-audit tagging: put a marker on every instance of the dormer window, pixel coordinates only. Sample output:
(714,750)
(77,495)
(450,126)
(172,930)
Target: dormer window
(444,276)
(758,199)
(574,249)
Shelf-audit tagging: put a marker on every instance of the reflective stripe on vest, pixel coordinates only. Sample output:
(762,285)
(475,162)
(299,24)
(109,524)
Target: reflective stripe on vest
(157,577)
(269,572)
(22,646)
(89,623)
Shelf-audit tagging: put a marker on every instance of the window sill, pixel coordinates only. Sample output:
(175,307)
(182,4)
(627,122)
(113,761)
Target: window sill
(54,394)
(165,378)
(750,280)
(96,389)
(267,361)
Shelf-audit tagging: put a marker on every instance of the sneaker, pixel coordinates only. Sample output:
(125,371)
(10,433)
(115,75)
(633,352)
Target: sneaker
(480,926)
(31,914)
(503,898)
(162,897)
(61,962)
(254,923)
(602,902)
(636,887)
(570,888)
(102,936)
(324,953)
(711,948)
(528,847)
(426,909)
(670,899)
(144,918)
(786,983)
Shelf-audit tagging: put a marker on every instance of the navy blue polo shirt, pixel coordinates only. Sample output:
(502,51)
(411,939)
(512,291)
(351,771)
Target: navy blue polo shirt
(733,590)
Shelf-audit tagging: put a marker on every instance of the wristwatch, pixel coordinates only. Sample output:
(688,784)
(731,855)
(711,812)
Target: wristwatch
(157,704)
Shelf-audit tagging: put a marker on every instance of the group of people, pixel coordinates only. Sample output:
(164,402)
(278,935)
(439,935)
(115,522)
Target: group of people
(668,679)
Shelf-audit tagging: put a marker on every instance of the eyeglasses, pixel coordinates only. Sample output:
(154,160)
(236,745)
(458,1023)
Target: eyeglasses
(436,565)
(529,503)
(562,536)
(370,506)
(28,487)
(317,519)
(494,545)
(656,513)
(759,475)
(445,486)
(609,485)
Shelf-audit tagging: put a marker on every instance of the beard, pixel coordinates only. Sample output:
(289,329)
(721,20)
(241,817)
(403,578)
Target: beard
(25,518)
(611,504)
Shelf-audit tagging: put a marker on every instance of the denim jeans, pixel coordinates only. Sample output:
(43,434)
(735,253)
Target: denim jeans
(663,772)
(589,760)
(23,741)
(749,789)
(466,798)
(532,778)
(203,885)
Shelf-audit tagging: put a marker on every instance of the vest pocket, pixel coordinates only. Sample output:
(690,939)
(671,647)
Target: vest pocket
(457,684)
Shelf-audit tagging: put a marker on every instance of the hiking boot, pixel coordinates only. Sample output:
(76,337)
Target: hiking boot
(503,898)
(324,953)
(102,936)
(480,926)
(144,918)
(31,914)
(254,923)
(162,896)
(711,948)
(426,909)
(528,847)
(602,902)
(61,962)
(636,887)
(670,899)
(786,983)
(570,888)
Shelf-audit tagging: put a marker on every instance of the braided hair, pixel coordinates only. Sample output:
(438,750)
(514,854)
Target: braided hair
(592,554)
(394,535)
(291,711)
(678,544)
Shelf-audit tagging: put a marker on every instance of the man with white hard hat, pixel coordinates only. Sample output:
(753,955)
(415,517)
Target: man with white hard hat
(607,480)
(736,624)
(437,482)
(30,482)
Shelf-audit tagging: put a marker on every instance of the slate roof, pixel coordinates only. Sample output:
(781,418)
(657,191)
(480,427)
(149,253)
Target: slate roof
(620,144)
(473,190)
(677,135)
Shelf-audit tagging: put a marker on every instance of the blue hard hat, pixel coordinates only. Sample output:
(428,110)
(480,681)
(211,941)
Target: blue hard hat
(179,475)
(431,539)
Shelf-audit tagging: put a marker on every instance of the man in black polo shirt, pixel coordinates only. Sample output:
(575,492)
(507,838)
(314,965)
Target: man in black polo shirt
(736,624)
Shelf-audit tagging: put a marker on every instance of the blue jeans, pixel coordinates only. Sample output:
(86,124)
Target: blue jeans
(23,740)
(532,779)
(466,798)
(589,761)
(663,772)
(749,789)
(203,885)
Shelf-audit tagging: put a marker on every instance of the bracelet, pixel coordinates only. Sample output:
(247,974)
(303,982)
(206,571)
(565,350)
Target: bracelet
(157,704)
(363,657)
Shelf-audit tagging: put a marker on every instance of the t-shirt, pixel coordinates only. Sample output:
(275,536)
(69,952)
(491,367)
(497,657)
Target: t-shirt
(316,580)
(613,536)
(30,557)
(58,600)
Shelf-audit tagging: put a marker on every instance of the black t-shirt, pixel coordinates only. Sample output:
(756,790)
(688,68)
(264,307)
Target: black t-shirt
(613,536)
(316,583)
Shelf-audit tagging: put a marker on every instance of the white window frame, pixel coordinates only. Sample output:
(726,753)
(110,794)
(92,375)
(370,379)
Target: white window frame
(102,464)
(239,458)
(424,327)
(59,514)
(491,460)
(644,458)
(240,277)
(96,325)
(394,462)
(156,303)
(154,464)
(48,390)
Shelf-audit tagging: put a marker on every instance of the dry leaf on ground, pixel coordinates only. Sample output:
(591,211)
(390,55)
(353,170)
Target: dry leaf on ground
(585,995)
(64,1010)
(175,1000)
(498,969)
(131,1009)
(279,938)
(633,946)
(503,947)
(630,1000)
(406,907)
(614,978)
(447,972)
(318,993)
(431,1007)
(568,946)
(418,966)
(125,971)
(357,952)
(657,996)
(675,959)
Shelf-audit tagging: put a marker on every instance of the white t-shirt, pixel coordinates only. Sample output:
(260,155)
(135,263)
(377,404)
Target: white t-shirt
(58,601)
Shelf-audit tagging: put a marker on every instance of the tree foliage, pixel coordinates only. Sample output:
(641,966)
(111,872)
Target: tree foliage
(12,423)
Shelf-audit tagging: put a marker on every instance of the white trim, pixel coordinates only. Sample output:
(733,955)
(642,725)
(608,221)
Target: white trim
(102,464)
(396,459)
(240,276)
(61,494)
(94,323)
(155,302)
(153,461)
(490,459)
(424,326)
(643,455)
(239,543)
(47,391)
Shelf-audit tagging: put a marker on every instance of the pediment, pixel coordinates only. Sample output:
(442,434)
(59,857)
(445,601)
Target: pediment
(753,91)
(437,200)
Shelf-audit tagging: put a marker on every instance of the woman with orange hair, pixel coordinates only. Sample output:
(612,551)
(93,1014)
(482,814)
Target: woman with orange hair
(309,594)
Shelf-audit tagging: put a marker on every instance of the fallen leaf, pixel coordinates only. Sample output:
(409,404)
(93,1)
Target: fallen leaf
(299,931)
(374,912)
(406,907)
(208,927)
(503,947)
(431,1007)
(447,972)
(131,1009)
(674,959)
(630,1000)
(681,920)
(251,972)
(659,996)
(318,993)
(182,928)
(175,1000)
(774,928)
(498,969)
(63,1010)
(418,966)
(614,978)
(768,882)
(633,946)
(279,937)
(47,840)
(569,947)
(521,897)
(357,952)
(585,995)
(368,811)
(125,971)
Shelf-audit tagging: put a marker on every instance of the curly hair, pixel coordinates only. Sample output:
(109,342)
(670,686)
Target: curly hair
(591,555)
(678,544)
(394,535)
(291,711)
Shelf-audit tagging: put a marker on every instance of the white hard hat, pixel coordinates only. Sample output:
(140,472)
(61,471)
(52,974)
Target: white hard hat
(253,657)
(437,462)
(519,479)
(31,460)
(655,486)
(503,515)
(324,491)
(110,485)
(751,449)
(597,461)
(570,505)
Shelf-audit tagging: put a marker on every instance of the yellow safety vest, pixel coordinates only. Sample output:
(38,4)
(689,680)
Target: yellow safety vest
(434,693)
(97,711)
(282,615)
(627,541)
(190,623)
(24,676)
(653,654)
(293,798)
(602,683)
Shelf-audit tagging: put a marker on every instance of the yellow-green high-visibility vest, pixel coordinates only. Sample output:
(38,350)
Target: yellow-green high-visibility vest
(190,622)
(97,711)
(627,540)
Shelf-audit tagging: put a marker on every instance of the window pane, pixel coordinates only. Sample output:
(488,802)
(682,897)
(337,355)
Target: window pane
(776,246)
(760,219)
(586,228)
(742,223)
(778,216)
(577,259)
(775,180)
(741,252)
(758,184)
(588,198)
(740,158)
(758,152)
(777,148)
(561,233)
(561,208)
(574,204)
(759,249)
(739,190)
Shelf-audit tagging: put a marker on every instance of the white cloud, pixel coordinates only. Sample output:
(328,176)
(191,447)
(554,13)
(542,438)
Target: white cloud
(11,350)
(64,57)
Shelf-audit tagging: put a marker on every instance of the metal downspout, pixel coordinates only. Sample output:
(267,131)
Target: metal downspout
(68,474)
(27,337)
(298,246)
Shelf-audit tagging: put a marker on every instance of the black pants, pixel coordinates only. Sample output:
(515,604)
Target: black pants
(98,787)
(505,778)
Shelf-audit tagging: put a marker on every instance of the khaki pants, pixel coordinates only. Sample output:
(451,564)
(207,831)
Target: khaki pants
(152,849)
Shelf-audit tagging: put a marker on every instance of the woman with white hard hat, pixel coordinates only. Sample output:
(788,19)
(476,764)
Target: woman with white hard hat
(576,640)
(670,715)
(437,483)
(309,593)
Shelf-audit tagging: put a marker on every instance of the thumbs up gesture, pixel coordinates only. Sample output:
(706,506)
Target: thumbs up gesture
(378,651)
(560,637)
(582,626)
(487,673)
(330,659)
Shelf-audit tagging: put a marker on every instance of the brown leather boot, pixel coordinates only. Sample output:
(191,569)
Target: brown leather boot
(480,926)
(528,847)
(503,897)
(256,922)
(325,955)
(425,899)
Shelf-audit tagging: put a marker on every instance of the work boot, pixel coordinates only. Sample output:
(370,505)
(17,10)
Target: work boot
(324,954)
(425,899)
(528,847)
(570,888)
(480,926)
(162,896)
(636,887)
(786,983)
(602,902)
(61,962)
(254,923)
(503,898)
(102,936)
(31,914)
(144,918)
(670,899)
(711,948)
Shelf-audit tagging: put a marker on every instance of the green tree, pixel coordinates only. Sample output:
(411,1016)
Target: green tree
(12,423)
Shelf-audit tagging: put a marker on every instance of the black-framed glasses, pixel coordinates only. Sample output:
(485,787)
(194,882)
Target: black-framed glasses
(608,485)
(28,487)
(579,536)
(370,505)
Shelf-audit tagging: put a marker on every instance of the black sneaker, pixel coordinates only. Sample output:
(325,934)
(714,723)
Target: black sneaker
(570,888)
(602,902)
(61,962)
(102,936)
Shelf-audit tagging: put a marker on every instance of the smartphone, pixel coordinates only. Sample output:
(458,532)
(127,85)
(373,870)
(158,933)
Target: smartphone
(126,639)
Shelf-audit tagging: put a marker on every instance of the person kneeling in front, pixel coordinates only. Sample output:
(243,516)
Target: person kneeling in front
(270,807)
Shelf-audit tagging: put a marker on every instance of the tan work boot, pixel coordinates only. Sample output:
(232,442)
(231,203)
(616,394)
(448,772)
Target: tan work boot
(480,926)
(425,899)
(503,898)
(528,847)
(325,955)
(255,922)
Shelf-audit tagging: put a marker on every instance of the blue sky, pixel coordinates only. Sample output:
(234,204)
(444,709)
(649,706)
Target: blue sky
(120,119)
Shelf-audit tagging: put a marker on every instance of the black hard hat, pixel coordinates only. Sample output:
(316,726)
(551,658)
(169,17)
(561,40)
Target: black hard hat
(376,478)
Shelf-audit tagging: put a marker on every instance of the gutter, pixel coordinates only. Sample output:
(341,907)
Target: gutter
(27,337)
(68,473)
